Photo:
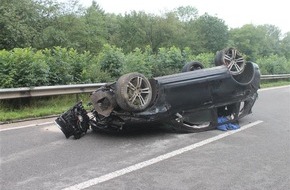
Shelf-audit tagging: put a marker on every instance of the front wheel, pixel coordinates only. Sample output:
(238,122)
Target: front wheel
(192,66)
(133,92)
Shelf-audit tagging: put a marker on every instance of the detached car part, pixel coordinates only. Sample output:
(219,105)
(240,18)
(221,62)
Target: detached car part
(190,101)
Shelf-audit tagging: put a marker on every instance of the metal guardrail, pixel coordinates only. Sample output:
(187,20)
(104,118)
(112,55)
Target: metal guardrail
(10,93)
(272,77)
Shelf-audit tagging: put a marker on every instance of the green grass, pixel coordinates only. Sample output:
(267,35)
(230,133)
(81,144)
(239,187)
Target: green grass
(38,107)
(16,109)
(274,84)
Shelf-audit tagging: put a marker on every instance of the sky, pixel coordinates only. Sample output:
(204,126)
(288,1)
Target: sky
(234,13)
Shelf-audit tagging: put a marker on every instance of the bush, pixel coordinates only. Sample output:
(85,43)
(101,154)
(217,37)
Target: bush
(92,73)
(138,61)
(205,58)
(67,66)
(28,67)
(274,64)
(23,68)
(168,61)
(58,66)
(111,60)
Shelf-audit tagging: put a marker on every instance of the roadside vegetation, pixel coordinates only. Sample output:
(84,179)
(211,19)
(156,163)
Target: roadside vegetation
(268,84)
(46,43)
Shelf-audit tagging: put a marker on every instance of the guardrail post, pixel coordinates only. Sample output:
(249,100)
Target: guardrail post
(77,97)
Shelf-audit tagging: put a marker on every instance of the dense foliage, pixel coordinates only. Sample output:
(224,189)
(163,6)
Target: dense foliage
(22,67)
(44,42)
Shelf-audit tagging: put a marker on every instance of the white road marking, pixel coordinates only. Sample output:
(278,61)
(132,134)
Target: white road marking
(155,160)
(26,126)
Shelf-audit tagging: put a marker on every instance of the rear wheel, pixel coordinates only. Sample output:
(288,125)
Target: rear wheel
(232,59)
(133,92)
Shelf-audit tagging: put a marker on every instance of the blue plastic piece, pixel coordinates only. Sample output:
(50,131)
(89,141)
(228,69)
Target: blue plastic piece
(228,126)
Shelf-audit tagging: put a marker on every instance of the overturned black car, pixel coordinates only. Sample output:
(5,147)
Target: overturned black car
(190,101)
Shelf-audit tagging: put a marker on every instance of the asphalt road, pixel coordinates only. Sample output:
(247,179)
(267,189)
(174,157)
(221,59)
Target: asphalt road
(255,157)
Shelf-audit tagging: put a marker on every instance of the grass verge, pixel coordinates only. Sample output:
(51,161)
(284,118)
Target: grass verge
(17,109)
(267,84)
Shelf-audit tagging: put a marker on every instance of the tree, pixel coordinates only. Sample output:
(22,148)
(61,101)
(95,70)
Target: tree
(186,13)
(256,41)
(19,21)
(94,33)
(270,44)
(207,34)
(285,45)
(131,31)
(169,32)
(59,25)
(247,39)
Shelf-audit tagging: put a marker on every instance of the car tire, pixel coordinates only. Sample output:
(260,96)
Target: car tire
(231,58)
(133,92)
(218,60)
(192,66)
